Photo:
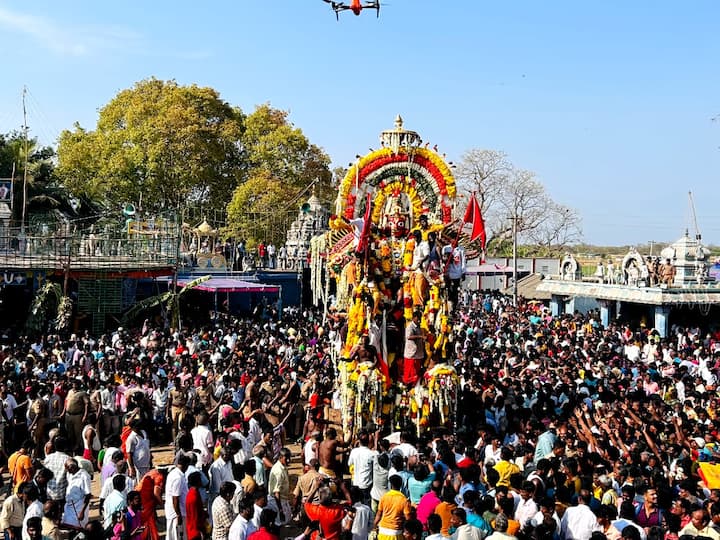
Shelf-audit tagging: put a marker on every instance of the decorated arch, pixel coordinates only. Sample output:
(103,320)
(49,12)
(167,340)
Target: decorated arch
(419,172)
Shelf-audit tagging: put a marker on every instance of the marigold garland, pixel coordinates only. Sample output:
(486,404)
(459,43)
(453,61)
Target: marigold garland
(427,182)
(426,163)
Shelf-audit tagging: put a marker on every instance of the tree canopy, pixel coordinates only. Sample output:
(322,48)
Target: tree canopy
(281,164)
(165,145)
(158,143)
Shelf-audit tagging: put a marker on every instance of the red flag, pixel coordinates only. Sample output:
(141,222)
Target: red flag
(473,216)
(365,233)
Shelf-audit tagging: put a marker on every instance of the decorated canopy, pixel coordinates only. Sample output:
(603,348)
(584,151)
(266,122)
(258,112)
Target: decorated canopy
(230,285)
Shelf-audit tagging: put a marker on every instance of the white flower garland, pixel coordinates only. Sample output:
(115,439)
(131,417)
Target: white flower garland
(318,246)
(361,399)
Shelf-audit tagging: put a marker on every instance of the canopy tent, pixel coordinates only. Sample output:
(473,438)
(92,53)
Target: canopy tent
(488,269)
(230,285)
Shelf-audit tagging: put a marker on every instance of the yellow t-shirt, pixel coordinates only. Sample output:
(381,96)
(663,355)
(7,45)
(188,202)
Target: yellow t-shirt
(505,469)
(395,509)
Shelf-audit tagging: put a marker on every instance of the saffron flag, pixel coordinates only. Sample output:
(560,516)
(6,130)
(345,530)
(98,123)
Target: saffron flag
(473,217)
(710,474)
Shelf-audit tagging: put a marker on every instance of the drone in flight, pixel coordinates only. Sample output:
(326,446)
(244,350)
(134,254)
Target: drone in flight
(356,6)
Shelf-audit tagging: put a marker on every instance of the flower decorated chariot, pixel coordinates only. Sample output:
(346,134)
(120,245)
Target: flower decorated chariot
(386,251)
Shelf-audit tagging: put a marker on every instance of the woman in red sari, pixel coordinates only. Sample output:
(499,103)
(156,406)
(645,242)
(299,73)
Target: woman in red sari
(151,490)
(196,518)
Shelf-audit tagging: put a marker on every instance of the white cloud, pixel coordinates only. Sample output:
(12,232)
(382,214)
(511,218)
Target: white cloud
(51,36)
(83,40)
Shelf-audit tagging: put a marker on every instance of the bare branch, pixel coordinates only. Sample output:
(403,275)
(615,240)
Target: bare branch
(505,191)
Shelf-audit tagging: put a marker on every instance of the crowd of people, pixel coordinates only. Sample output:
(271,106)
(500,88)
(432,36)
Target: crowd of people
(565,430)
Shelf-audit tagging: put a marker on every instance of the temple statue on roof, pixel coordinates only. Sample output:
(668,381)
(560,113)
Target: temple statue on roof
(312,220)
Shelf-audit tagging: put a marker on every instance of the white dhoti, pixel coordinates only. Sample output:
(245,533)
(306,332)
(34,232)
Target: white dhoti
(71,511)
(78,489)
(175,531)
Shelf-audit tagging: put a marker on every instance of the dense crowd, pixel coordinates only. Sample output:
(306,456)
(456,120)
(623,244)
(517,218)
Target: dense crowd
(565,430)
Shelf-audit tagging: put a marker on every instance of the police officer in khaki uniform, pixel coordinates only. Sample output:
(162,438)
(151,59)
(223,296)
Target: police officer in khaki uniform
(177,400)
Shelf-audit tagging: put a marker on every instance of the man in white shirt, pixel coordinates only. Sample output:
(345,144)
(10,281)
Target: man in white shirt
(120,470)
(160,400)
(405,449)
(244,453)
(108,402)
(361,515)
(8,402)
(77,495)
(203,440)
(579,522)
(138,449)
(34,507)
(527,508)
(279,488)
(242,527)
(220,472)
(465,531)
(456,268)
(361,461)
(117,500)
(254,429)
(176,489)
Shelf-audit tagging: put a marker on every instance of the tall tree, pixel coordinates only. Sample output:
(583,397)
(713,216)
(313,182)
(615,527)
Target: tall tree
(274,144)
(259,209)
(507,193)
(160,143)
(282,164)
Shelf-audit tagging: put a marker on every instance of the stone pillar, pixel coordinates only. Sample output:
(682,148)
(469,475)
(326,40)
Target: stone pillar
(662,320)
(606,312)
(557,305)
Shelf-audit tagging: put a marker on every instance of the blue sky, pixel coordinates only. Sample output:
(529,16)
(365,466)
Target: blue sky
(610,103)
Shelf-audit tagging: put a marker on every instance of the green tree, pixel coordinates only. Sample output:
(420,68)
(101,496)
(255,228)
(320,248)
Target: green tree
(276,145)
(258,209)
(282,164)
(160,143)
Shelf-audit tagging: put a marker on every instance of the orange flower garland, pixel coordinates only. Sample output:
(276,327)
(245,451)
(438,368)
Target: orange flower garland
(420,162)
